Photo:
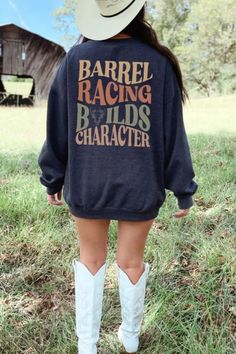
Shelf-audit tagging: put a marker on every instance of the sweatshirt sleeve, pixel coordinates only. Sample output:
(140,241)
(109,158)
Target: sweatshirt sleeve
(179,171)
(53,155)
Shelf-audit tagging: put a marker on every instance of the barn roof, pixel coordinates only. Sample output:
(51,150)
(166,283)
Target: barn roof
(33,33)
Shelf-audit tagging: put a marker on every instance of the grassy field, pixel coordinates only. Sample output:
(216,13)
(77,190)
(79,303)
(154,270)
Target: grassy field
(191,291)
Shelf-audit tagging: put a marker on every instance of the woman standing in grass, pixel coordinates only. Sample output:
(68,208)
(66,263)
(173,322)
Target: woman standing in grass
(115,141)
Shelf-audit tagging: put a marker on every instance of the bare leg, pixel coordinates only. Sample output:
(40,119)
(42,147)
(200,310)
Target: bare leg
(93,237)
(132,236)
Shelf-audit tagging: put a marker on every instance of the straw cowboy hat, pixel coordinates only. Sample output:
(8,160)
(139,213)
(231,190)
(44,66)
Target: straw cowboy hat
(102,19)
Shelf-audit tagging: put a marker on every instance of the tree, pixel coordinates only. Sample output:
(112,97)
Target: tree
(168,17)
(207,44)
(66,21)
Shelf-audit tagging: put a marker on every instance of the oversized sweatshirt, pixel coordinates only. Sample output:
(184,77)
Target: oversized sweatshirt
(115,136)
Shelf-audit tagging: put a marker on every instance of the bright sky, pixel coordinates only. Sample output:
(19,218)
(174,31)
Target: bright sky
(35,16)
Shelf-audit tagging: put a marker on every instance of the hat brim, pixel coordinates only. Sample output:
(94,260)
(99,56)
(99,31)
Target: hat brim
(94,26)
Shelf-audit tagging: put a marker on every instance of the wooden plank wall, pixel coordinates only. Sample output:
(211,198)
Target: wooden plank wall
(42,57)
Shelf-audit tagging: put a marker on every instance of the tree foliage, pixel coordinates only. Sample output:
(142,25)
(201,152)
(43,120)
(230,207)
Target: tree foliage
(207,46)
(169,17)
(201,33)
(66,21)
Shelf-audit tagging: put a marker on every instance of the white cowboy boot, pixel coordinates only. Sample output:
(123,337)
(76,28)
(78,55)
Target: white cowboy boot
(88,305)
(132,298)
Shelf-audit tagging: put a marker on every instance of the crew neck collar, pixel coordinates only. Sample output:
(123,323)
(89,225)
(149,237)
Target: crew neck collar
(115,39)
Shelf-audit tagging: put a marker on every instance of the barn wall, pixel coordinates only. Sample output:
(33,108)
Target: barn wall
(27,54)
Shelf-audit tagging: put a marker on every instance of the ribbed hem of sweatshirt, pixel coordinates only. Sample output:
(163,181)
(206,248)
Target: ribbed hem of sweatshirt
(113,214)
(51,190)
(185,202)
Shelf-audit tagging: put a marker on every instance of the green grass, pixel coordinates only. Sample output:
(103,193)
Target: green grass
(211,116)
(190,299)
(20,88)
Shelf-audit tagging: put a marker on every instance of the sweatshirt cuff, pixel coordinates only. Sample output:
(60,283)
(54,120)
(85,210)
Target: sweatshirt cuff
(53,190)
(185,202)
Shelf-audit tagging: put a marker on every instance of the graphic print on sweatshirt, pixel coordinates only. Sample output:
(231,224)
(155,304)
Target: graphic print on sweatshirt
(113,106)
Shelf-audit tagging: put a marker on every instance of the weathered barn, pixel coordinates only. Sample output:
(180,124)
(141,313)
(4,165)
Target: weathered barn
(28,55)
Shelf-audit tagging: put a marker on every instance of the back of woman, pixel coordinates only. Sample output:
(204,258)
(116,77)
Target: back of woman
(115,142)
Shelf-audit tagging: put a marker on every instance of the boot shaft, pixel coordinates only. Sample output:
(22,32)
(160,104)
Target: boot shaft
(132,298)
(89,290)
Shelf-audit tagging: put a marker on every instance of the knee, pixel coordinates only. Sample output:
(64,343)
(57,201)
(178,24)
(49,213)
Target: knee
(95,263)
(126,264)
(95,259)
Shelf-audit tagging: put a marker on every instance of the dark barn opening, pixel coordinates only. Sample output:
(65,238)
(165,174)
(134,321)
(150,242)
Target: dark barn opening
(27,55)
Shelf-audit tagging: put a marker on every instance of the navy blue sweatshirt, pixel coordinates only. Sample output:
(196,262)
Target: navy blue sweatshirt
(115,133)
